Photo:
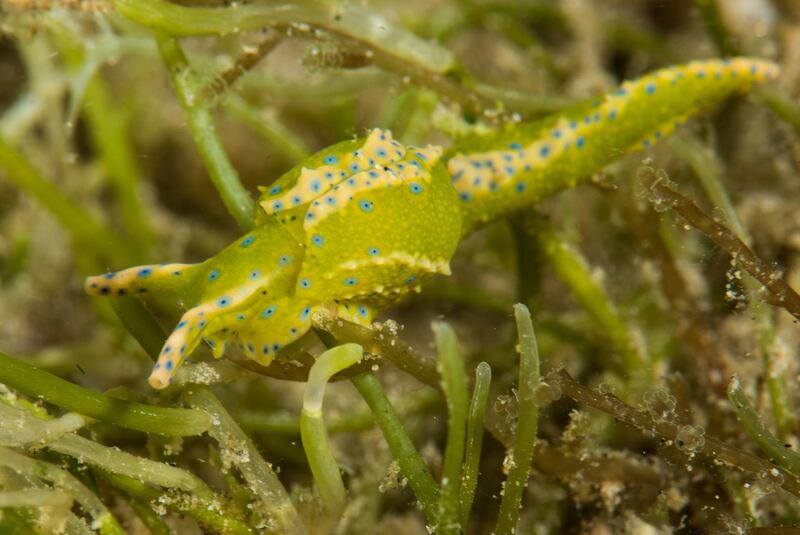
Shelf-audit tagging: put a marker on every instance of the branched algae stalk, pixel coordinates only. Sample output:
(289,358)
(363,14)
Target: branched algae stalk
(663,194)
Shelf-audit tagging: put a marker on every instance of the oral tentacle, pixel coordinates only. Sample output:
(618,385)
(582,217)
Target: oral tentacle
(215,320)
(139,279)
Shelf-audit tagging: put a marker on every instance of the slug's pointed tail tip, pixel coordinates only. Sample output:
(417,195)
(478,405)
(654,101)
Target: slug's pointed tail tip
(760,70)
(770,69)
(773,71)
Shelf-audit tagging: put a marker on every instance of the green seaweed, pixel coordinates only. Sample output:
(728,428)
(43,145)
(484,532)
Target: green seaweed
(43,386)
(519,458)
(455,392)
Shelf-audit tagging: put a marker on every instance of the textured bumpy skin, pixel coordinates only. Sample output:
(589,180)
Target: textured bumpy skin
(363,222)
(350,228)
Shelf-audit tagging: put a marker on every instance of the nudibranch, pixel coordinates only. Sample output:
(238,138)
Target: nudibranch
(361,223)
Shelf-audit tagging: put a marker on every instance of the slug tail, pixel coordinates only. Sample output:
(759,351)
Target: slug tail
(521,164)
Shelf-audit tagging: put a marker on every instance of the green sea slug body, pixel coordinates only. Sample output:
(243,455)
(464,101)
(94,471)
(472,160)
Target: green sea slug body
(361,223)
